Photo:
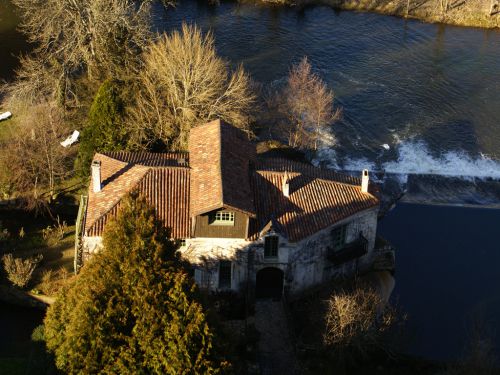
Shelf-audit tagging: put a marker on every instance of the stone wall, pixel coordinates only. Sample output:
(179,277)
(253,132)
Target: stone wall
(304,263)
(90,246)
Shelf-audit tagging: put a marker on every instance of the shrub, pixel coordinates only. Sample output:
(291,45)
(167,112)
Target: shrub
(47,232)
(56,232)
(38,334)
(19,271)
(52,282)
(4,233)
(356,320)
(60,228)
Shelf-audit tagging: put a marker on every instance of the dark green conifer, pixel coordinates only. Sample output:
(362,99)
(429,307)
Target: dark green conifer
(105,129)
(132,308)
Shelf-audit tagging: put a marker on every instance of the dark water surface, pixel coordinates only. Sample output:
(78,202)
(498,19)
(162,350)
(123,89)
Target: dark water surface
(447,275)
(431,92)
(12,42)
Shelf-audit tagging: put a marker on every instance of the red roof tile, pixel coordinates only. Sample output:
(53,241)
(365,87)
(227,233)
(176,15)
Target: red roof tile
(166,188)
(318,198)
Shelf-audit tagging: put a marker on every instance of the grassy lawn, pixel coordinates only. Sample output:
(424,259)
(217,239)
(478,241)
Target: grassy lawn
(4,127)
(33,236)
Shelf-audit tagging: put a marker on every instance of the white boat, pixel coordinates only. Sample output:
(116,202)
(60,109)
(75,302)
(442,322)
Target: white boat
(5,115)
(73,138)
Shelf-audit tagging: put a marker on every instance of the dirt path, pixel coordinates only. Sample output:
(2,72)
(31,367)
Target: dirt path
(275,350)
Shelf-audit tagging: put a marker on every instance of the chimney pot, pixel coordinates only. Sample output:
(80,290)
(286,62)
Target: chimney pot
(96,176)
(286,186)
(365,179)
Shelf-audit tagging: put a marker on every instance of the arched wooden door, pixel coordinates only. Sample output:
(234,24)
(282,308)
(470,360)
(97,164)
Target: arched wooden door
(269,283)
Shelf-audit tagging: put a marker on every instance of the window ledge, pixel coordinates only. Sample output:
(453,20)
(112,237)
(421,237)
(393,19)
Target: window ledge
(271,258)
(221,224)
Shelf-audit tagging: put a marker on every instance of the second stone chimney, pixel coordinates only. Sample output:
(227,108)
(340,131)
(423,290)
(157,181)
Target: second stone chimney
(286,185)
(365,179)
(96,176)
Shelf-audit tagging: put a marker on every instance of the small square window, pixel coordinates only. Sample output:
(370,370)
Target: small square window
(221,218)
(271,246)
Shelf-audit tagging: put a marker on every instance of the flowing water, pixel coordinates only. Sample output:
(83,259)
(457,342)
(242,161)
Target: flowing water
(421,105)
(428,93)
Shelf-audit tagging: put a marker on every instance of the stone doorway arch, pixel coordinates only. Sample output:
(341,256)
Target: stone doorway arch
(269,283)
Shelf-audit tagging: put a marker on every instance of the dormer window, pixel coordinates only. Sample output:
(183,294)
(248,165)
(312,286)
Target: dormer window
(271,246)
(221,218)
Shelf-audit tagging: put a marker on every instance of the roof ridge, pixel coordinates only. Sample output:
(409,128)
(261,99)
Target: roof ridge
(315,177)
(220,163)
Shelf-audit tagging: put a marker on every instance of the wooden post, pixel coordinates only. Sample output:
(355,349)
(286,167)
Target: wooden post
(79,227)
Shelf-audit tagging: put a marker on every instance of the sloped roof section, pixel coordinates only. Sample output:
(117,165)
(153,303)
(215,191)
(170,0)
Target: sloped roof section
(151,159)
(165,187)
(117,179)
(318,198)
(220,157)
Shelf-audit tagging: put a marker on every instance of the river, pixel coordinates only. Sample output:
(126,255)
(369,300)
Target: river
(430,93)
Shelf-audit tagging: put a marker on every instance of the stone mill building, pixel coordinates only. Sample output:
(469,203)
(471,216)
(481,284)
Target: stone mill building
(243,220)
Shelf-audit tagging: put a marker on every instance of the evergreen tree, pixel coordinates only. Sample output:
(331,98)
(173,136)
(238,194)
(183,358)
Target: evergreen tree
(105,130)
(132,308)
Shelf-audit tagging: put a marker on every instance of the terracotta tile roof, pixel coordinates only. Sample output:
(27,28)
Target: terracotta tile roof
(286,165)
(221,176)
(166,188)
(152,159)
(318,198)
(220,157)
(117,178)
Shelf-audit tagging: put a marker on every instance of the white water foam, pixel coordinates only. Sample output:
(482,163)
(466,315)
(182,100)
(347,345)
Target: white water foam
(415,158)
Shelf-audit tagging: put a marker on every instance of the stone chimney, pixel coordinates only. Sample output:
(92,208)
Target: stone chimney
(365,179)
(286,185)
(96,176)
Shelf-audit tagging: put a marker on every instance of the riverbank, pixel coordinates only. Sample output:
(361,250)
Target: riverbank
(473,13)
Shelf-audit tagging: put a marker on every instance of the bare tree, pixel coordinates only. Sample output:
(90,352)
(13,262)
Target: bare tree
(306,105)
(97,37)
(32,155)
(444,4)
(356,320)
(184,83)
(38,80)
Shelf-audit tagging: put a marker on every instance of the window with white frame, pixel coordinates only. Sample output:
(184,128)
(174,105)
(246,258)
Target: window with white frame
(221,218)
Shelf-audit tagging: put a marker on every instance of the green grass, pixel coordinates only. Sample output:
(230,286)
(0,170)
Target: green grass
(57,253)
